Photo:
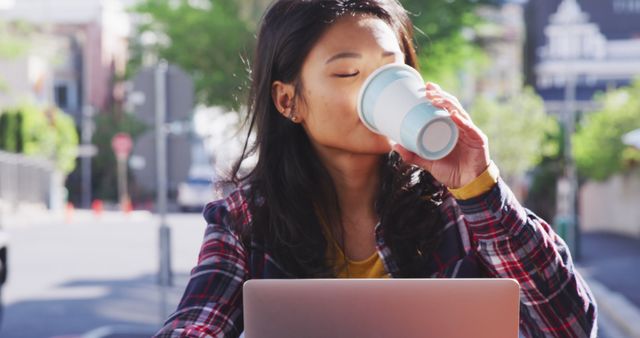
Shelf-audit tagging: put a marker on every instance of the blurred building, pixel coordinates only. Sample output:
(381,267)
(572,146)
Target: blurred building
(502,38)
(576,49)
(591,45)
(27,74)
(85,50)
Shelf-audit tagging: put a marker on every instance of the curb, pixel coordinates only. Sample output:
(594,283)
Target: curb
(622,312)
(38,217)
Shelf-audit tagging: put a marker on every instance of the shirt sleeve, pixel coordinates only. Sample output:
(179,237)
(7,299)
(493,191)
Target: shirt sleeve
(212,302)
(512,242)
(478,186)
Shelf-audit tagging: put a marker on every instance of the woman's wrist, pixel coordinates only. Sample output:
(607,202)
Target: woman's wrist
(482,183)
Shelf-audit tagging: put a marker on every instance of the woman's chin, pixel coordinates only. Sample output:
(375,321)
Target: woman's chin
(382,148)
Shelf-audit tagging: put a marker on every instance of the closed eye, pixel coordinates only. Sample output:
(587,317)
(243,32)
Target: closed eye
(347,75)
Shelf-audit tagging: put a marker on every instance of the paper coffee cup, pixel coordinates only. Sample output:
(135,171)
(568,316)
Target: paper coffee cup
(392,102)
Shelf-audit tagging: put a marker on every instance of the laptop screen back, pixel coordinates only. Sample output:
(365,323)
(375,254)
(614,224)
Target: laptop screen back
(404,308)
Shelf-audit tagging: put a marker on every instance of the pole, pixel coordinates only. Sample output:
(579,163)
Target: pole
(86,123)
(165,275)
(122,180)
(85,162)
(570,170)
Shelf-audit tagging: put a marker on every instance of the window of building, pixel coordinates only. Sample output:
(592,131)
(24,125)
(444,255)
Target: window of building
(626,6)
(61,96)
(65,95)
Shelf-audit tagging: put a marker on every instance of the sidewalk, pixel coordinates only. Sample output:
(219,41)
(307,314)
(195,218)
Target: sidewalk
(26,214)
(36,215)
(611,264)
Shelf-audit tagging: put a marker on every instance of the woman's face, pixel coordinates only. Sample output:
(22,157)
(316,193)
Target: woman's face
(332,74)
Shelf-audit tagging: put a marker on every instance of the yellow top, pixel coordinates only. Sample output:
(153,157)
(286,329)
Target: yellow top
(480,185)
(373,267)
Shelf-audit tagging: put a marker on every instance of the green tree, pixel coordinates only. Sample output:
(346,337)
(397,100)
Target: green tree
(213,39)
(541,196)
(10,131)
(518,130)
(597,145)
(443,47)
(209,41)
(31,130)
(104,163)
(66,140)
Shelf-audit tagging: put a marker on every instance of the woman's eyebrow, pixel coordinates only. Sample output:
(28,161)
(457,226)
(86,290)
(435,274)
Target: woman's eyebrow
(345,55)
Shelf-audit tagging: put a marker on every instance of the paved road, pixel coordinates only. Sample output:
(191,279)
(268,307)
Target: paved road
(614,261)
(67,279)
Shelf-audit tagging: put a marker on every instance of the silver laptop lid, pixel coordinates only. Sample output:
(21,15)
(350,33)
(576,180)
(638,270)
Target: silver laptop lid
(404,308)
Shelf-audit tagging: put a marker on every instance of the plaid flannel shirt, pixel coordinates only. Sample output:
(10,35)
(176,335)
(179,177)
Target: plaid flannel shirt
(491,235)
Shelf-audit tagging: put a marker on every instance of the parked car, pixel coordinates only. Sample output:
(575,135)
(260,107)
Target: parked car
(4,247)
(194,193)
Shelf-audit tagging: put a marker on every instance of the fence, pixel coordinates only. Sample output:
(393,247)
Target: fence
(26,180)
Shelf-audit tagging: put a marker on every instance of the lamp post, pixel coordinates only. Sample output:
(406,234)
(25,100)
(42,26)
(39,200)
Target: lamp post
(86,131)
(566,222)
(165,274)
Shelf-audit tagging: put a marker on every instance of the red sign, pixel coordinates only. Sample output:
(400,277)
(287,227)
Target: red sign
(121,144)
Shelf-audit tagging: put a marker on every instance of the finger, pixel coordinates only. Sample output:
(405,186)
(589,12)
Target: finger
(468,131)
(434,87)
(461,122)
(450,97)
(448,105)
(454,100)
(436,96)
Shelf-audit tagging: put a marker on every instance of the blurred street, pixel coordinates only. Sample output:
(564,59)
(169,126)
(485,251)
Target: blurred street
(69,279)
(614,261)
(114,113)
(610,264)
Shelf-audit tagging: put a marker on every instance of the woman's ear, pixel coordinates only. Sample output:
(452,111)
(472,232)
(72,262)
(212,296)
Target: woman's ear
(283,95)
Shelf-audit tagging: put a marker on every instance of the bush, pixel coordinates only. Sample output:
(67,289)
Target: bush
(31,130)
(517,129)
(597,146)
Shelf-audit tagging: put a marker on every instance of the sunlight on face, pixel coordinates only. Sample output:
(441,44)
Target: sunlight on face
(335,69)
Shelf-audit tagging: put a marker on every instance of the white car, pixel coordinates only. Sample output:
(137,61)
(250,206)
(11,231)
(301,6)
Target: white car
(4,270)
(195,193)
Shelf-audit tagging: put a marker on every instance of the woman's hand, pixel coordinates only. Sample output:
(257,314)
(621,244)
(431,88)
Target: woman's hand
(469,158)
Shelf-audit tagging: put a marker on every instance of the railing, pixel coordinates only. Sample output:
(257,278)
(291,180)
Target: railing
(25,180)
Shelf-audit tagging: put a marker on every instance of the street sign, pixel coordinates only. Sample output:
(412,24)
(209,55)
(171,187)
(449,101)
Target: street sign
(179,97)
(178,101)
(122,145)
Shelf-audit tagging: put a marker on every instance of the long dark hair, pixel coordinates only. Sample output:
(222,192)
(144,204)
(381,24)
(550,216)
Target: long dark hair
(290,190)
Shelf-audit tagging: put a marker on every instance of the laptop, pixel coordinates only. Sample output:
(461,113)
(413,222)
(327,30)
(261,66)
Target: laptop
(389,308)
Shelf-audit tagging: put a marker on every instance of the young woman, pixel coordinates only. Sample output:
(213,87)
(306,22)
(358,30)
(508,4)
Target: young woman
(329,198)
